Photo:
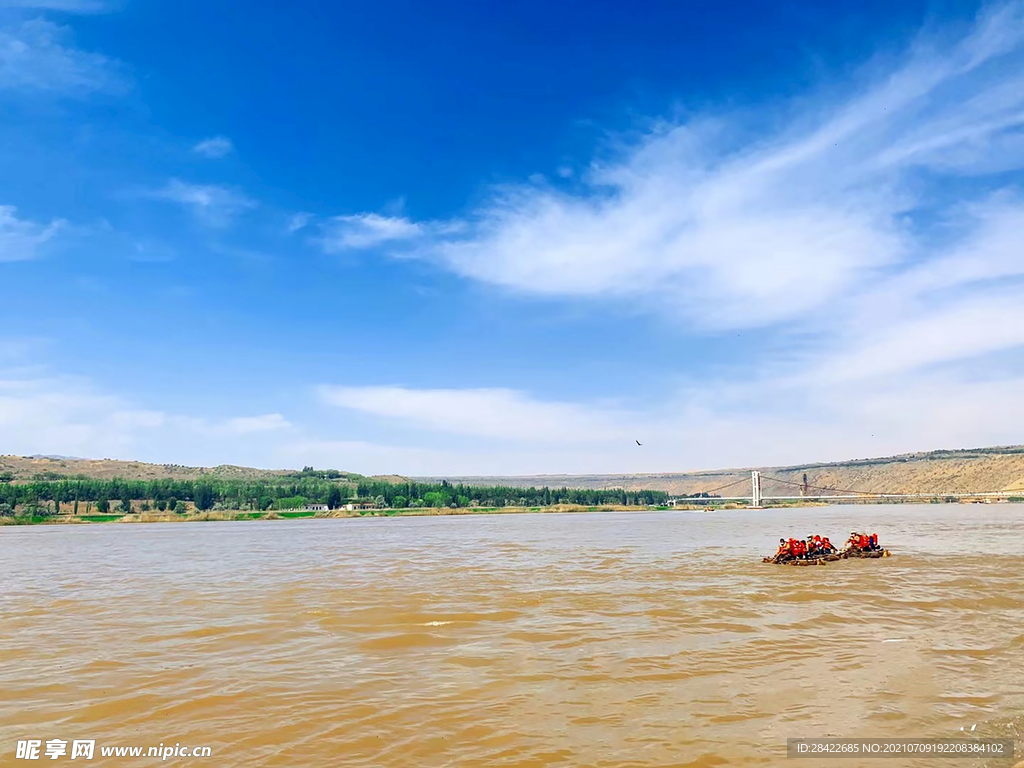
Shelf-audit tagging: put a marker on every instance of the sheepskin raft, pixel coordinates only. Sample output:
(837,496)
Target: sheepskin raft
(823,559)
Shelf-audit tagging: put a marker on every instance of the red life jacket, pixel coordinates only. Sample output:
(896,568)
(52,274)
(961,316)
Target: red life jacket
(874,539)
(817,540)
(826,543)
(864,541)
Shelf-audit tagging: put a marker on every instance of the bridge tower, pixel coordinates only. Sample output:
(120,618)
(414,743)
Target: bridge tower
(755,482)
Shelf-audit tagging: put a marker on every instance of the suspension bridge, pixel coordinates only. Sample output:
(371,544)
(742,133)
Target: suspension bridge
(757,499)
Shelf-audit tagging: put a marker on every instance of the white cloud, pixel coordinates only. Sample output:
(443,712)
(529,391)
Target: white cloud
(882,229)
(367,230)
(68,415)
(213,204)
(872,225)
(298,221)
(215,147)
(20,239)
(37,55)
(492,413)
(775,229)
(758,422)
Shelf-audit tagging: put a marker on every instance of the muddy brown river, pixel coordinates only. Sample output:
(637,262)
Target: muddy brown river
(600,639)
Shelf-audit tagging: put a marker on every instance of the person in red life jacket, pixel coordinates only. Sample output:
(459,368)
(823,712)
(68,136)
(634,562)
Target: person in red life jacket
(853,542)
(784,552)
(827,545)
(864,542)
(873,541)
(794,548)
(817,545)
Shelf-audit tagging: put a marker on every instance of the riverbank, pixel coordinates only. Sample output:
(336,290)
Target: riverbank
(240,515)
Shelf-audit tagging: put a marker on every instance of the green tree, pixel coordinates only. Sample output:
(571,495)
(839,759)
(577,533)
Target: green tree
(433,499)
(102,506)
(204,496)
(334,497)
(172,504)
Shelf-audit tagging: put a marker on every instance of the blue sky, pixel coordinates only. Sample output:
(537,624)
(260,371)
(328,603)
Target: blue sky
(475,238)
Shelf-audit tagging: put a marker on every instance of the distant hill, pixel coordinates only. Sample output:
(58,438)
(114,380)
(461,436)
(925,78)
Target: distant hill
(970,470)
(56,467)
(966,470)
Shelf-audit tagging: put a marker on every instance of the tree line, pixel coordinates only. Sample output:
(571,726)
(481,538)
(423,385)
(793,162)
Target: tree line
(295,491)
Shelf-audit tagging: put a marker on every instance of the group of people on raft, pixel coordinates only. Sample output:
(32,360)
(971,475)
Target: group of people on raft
(818,546)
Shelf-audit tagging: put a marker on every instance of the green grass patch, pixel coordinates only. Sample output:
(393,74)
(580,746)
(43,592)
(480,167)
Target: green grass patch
(301,513)
(98,518)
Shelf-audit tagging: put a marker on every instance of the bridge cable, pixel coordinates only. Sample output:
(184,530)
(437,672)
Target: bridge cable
(818,487)
(727,485)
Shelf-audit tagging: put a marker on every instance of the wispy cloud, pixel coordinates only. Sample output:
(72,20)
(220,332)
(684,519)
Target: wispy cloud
(215,147)
(367,230)
(21,239)
(298,221)
(769,231)
(742,423)
(213,204)
(492,413)
(39,55)
(884,228)
(68,415)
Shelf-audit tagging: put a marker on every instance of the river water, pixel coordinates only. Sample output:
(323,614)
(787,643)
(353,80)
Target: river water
(599,639)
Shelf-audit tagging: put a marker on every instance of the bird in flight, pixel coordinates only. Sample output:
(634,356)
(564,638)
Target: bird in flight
(638,442)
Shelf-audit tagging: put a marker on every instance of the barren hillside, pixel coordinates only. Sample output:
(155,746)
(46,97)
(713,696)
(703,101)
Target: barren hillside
(969,470)
(55,467)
